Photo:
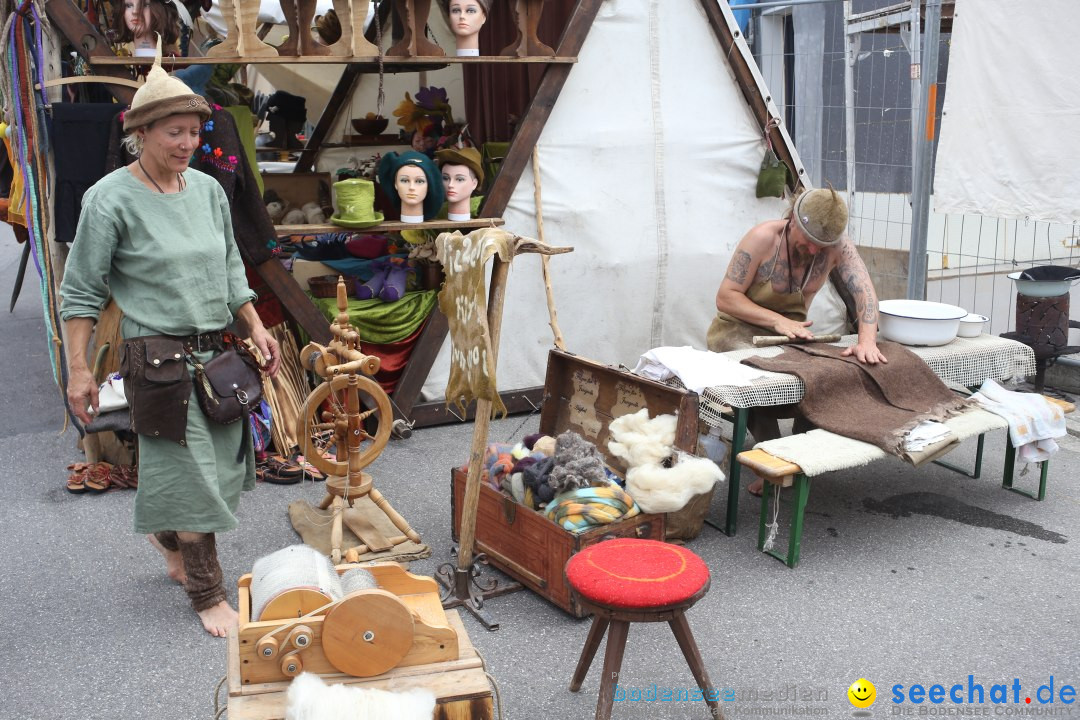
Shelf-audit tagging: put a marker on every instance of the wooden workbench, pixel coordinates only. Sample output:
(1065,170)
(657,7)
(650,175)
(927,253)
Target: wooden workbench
(461,689)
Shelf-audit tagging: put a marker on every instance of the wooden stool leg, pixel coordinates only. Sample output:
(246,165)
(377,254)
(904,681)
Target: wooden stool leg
(596,634)
(613,655)
(685,637)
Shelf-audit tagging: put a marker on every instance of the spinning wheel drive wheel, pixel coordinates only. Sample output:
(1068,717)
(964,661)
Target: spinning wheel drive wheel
(358,402)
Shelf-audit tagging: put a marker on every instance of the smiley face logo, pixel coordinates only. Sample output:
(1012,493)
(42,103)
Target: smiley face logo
(862,693)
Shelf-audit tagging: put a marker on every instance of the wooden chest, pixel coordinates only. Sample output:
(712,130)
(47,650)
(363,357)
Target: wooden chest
(583,396)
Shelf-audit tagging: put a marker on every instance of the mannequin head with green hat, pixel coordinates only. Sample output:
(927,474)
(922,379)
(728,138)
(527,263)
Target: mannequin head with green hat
(462,172)
(411,181)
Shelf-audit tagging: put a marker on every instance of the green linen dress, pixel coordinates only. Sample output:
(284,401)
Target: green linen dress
(171,264)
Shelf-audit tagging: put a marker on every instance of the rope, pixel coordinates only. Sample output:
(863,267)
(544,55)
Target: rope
(774,526)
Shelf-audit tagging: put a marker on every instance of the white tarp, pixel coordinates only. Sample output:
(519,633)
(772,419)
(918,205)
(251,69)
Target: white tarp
(648,169)
(1012,112)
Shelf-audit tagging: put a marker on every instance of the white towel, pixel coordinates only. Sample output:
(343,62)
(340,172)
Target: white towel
(925,433)
(1033,421)
(697,369)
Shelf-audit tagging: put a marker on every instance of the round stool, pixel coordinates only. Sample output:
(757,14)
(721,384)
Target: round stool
(629,580)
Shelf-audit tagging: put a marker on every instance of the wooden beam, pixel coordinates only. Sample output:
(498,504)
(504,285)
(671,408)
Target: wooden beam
(539,110)
(89,43)
(436,412)
(294,300)
(744,77)
(342,94)
(411,382)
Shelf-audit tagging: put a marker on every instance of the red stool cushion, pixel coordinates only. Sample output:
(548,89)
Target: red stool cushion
(632,573)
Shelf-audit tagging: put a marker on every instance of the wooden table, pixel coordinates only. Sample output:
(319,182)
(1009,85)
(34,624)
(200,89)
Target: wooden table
(964,361)
(461,688)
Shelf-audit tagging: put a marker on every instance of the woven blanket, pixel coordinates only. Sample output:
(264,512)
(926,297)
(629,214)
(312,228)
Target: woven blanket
(464,302)
(820,451)
(877,404)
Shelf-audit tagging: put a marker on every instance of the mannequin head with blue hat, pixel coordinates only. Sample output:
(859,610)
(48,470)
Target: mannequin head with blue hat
(413,184)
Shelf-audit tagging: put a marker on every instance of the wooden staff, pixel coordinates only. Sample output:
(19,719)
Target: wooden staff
(500,269)
(553,315)
(770,340)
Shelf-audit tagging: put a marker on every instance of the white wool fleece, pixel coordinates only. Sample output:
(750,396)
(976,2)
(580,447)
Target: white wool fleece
(310,698)
(637,440)
(657,489)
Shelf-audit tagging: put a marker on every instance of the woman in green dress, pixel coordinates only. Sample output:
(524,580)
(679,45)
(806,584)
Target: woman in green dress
(157,236)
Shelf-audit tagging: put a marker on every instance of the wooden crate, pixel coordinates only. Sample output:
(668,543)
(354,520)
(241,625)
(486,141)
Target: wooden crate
(461,689)
(296,189)
(583,396)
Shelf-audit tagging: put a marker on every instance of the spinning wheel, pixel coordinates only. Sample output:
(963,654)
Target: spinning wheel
(322,428)
(351,413)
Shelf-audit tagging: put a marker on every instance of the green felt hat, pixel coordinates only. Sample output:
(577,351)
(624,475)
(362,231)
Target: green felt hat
(355,204)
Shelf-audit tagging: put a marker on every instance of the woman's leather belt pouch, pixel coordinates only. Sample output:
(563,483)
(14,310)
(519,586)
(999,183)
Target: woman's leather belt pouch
(158,386)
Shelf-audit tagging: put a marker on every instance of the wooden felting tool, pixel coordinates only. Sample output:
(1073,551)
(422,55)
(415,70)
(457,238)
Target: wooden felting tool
(770,340)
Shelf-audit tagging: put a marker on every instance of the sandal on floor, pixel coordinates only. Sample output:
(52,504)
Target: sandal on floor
(96,478)
(283,467)
(76,479)
(124,476)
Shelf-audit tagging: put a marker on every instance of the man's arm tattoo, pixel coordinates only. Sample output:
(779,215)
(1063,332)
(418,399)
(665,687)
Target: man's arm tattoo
(858,284)
(740,263)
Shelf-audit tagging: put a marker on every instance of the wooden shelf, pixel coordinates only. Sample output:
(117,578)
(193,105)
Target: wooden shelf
(352,140)
(390,64)
(395,226)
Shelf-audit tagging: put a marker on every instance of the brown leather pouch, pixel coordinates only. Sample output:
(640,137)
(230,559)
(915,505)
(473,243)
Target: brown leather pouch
(157,385)
(229,385)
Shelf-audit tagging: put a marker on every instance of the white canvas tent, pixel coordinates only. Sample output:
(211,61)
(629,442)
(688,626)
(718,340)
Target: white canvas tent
(648,169)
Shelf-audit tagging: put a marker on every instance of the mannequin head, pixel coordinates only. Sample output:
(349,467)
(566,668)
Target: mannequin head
(462,173)
(137,21)
(466,19)
(412,183)
(460,182)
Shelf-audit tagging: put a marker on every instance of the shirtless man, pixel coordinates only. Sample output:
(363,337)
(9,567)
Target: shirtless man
(772,278)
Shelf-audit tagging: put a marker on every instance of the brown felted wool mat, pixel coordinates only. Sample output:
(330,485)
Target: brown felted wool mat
(313,526)
(877,404)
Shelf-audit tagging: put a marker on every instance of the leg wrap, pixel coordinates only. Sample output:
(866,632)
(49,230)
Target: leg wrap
(203,584)
(168,540)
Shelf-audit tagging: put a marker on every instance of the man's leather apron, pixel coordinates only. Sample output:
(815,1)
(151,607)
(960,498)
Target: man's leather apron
(727,333)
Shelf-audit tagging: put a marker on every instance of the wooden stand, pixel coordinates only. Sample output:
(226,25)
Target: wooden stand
(463,583)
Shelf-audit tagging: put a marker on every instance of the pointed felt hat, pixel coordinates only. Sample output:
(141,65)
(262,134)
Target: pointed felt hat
(161,96)
(822,216)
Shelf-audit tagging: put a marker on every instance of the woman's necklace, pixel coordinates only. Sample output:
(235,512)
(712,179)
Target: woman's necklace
(179,178)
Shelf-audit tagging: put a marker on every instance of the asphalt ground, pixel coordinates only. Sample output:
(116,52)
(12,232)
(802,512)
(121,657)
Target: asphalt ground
(907,577)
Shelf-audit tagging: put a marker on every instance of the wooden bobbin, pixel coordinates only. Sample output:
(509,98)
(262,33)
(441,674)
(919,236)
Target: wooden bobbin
(291,664)
(300,637)
(268,647)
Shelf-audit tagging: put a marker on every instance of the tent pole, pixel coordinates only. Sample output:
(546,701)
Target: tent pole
(923,165)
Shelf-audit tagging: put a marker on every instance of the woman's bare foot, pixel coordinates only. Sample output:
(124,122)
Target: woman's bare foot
(756,487)
(219,618)
(174,564)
